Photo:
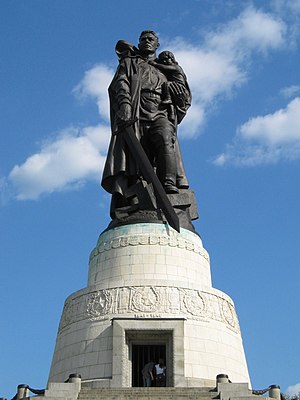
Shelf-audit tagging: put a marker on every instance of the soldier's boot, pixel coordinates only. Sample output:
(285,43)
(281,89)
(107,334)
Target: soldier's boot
(169,176)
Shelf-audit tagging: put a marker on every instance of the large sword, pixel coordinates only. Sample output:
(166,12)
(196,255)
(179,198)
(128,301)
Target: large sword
(148,174)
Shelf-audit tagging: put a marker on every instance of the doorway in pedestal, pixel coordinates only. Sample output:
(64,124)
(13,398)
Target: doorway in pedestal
(141,355)
(127,333)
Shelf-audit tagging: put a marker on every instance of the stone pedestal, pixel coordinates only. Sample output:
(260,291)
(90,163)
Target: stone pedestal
(149,285)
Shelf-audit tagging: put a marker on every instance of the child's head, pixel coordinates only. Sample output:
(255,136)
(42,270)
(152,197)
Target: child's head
(166,57)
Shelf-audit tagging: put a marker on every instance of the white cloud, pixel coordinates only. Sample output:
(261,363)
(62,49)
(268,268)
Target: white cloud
(266,139)
(221,64)
(95,84)
(253,29)
(279,127)
(209,72)
(77,155)
(293,390)
(190,124)
(74,157)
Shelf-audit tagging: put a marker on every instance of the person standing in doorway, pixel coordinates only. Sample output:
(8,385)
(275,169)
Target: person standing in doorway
(160,373)
(147,373)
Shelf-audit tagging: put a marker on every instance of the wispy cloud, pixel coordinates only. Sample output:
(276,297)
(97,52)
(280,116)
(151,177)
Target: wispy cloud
(5,191)
(287,5)
(290,91)
(266,139)
(293,390)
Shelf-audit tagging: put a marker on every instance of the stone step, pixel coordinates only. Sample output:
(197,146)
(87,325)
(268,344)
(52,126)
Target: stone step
(146,394)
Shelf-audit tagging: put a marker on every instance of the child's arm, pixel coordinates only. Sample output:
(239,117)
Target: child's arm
(155,64)
(164,67)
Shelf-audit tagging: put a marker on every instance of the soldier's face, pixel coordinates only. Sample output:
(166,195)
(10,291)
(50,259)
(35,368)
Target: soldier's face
(148,43)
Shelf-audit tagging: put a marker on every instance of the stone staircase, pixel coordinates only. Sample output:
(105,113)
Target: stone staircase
(75,389)
(152,393)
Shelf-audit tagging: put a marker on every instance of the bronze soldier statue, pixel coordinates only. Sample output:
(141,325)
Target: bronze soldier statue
(137,98)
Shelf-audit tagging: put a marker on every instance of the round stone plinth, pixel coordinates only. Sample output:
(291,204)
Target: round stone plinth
(149,254)
(149,285)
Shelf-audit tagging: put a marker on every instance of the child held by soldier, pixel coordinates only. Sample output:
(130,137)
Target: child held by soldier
(167,63)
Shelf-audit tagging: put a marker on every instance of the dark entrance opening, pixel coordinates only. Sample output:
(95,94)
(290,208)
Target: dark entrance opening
(141,354)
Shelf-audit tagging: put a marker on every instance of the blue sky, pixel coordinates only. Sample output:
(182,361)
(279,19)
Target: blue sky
(240,143)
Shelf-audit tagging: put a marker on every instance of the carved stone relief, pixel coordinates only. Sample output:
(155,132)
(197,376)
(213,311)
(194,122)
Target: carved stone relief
(150,302)
(148,239)
(145,299)
(228,312)
(194,303)
(99,303)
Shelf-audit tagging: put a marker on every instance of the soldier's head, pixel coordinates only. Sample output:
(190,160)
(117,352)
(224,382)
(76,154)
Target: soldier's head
(148,42)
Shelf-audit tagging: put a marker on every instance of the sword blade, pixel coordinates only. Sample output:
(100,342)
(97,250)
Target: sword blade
(150,176)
